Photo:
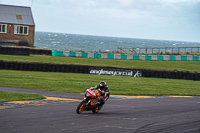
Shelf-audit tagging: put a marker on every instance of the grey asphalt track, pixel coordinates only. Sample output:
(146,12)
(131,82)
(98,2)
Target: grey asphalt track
(126,115)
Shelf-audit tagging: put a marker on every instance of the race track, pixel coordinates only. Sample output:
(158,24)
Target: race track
(119,114)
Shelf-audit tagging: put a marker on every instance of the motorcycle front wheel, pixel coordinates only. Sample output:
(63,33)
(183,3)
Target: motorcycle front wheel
(81,107)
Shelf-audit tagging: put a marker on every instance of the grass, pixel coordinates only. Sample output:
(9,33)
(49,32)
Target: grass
(77,83)
(8,96)
(192,66)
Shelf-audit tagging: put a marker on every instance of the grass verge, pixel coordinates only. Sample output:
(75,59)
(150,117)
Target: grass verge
(77,83)
(192,66)
(8,96)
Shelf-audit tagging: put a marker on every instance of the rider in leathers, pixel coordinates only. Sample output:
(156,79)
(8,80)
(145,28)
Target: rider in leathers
(104,90)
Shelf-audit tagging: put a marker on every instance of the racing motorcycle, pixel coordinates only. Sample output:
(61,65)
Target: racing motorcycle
(91,101)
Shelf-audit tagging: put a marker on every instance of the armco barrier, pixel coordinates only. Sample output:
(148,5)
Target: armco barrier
(47,67)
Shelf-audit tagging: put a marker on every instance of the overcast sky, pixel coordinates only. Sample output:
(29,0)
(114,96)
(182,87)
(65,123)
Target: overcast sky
(149,19)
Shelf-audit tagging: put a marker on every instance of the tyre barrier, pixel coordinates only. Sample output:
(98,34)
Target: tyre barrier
(47,67)
(15,51)
(24,51)
(40,51)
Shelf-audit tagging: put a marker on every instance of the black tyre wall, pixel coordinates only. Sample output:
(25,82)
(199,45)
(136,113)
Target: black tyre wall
(46,67)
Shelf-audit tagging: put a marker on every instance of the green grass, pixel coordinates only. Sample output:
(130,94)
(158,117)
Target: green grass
(8,96)
(77,83)
(192,66)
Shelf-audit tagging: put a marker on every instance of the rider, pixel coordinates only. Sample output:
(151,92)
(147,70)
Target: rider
(104,90)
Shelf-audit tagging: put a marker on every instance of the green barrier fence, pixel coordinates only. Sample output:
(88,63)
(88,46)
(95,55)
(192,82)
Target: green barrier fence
(195,58)
(72,53)
(136,57)
(183,57)
(57,53)
(172,57)
(160,57)
(97,55)
(147,57)
(123,56)
(110,56)
(85,54)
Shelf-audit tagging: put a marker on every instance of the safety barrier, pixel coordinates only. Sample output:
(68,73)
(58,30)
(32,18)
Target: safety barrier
(28,51)
(40,51)
(24,51)
(14,51)
(47,67)
(57,53)
(127,56)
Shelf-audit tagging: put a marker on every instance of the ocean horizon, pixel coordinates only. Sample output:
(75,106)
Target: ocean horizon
(66,41)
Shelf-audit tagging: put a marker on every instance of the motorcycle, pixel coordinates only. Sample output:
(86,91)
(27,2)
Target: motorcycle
(91,101)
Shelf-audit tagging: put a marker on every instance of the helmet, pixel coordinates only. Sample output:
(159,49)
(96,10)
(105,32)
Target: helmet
(102,84)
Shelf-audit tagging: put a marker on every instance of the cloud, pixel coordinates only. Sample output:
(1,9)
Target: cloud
(17,2)
(136,18)
(179,1)
(126,2)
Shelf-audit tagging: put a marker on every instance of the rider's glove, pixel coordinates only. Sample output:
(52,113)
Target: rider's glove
(102,92)
(106,95)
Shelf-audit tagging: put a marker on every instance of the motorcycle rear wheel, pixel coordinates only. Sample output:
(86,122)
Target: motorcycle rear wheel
(96,110)
(81,107)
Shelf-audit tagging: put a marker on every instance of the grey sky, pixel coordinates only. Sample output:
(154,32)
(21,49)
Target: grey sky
(148,19)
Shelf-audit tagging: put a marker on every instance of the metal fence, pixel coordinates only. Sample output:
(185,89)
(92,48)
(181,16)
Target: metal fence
(158,49)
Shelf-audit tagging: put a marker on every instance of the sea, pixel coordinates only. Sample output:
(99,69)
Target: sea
(64,41)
